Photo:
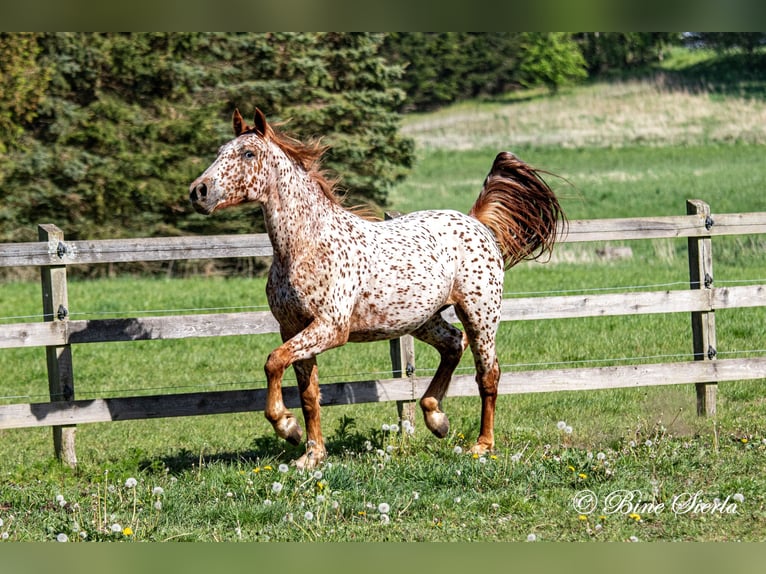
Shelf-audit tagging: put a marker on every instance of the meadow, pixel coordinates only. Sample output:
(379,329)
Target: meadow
(607,465)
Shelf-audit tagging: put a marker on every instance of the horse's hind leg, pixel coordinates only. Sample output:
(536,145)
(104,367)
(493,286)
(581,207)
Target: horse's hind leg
(481,334)
(450,342)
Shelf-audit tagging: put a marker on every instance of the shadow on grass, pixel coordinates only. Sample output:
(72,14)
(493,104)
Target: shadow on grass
(265,450)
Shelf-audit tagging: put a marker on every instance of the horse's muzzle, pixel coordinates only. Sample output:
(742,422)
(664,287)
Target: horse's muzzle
(203,198)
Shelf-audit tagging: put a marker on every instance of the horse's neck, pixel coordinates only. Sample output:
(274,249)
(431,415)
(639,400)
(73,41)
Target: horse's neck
(296,212)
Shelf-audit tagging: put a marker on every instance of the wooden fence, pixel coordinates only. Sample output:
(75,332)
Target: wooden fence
(58,332)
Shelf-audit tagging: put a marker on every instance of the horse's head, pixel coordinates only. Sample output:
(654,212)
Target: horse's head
(238,173)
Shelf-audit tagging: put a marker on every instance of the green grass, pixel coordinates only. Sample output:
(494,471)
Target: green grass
(630,149)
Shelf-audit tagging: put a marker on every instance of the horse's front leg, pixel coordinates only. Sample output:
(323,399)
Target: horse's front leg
(317,337)
(308,384)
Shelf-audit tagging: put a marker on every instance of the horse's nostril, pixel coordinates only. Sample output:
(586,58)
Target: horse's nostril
(198,192)
(202,190)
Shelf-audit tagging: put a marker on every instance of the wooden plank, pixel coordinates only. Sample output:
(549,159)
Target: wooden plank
(511,382)
(258,245)
(132,250)
(260,322)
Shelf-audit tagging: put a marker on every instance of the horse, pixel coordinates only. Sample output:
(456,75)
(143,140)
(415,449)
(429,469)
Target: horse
(338,277)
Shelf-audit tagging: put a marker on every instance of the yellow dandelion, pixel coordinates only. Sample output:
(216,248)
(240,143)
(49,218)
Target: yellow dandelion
(493,457)
(475,455)
(635,516)
(744,440)
(268,467)
(362,513)
(257,469)
(582,517)
(127,531)
(582,475)
(570,467)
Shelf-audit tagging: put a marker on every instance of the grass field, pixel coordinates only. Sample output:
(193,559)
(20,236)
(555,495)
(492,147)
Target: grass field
(628,464)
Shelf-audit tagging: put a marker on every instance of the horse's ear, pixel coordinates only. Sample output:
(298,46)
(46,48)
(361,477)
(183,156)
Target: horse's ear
(261,127)
(238,123)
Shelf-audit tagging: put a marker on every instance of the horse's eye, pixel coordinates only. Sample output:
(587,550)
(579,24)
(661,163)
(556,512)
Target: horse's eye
(249,154)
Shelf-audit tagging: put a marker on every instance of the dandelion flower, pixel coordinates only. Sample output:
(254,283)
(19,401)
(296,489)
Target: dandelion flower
(158,491)
(582,517)
(62,537)
(531,537)
(561,425)
(276,487)
(600,456)
(457,450)
(568,429)
(158,505)
(635,516)
(633,539)
(483,459)
(267,502)
(582,476)
(283,468)
(317,475)
(116,528)
(385,428)
(127,531)
(384,518)
(320,498)
(648,443)
(309,515)
(131,483)
(5,535)
(384,508)
(739,497)
(457,500)
(60,498)
(516,457)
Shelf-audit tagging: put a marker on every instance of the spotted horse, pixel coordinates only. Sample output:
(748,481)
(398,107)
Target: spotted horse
(337,277)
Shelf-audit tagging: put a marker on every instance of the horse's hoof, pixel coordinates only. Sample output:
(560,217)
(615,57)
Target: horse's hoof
(289,429)
(310,460)
(480,449)
(437,423)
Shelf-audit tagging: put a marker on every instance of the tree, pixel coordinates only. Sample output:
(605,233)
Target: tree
(127,121)
(550,59)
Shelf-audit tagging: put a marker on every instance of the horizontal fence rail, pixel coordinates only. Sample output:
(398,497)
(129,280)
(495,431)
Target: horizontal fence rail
(58,332)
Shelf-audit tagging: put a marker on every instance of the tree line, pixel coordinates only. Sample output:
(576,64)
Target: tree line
(102,133)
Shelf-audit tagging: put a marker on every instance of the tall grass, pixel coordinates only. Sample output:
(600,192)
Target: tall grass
(632,149)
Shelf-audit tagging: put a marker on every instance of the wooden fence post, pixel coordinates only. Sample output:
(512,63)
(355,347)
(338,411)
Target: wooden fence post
(59,358)
(403,363)
(703,322)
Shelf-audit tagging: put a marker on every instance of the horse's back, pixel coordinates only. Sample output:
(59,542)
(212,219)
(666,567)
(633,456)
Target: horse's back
(417,264)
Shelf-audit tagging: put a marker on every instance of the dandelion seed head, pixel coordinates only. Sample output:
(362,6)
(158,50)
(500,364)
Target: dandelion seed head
(384,518)
(267,502)
(648,443)
(59,498)
(516,457)
(385,428)
(317,475)
(309,515)
(157,505)
(276,487)
(131,483)
(4,535)
(116,527)
(531,537)
(158,491)
(561,425)
(568,429)
(739,497)
(458,449)
(62,537)
(283,468)
(384,508)
(483,459)
(600,456)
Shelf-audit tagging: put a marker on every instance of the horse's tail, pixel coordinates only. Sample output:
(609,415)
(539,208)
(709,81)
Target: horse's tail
(520,209)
